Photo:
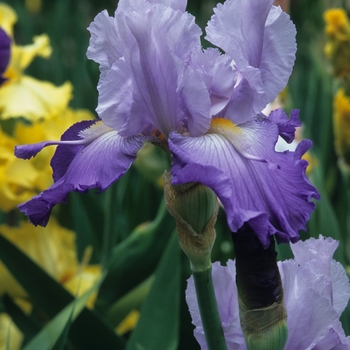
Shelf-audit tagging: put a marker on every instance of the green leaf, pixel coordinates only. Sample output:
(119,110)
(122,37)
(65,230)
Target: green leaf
(59,325)
(158,327)
(88,330)
(135,258)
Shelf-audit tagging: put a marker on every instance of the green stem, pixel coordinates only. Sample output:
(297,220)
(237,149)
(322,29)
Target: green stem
(208,309)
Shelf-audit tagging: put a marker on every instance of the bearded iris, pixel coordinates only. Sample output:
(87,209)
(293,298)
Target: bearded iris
(158,85)
(316,292)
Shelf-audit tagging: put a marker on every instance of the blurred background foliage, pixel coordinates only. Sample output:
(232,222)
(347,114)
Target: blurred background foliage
(120,245)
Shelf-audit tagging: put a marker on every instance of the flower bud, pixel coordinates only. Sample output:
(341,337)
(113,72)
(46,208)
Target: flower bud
(264,328)
(195,209)
(262,312)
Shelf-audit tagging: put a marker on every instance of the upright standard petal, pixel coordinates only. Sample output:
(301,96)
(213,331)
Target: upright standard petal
(137,4)
(267,189)
(313,322)
(105,44)
(260,39)
(80,167)
(218,75)
(149,83)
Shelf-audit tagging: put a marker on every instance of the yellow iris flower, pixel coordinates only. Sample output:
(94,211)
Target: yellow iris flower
(337,48)
(20,180)
(53,249)
(22,95)
(341,125)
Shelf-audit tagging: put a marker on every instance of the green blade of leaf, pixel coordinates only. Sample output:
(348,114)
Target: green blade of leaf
(28,326)
(51,333)
(158,327)
(143,247)
(87,330)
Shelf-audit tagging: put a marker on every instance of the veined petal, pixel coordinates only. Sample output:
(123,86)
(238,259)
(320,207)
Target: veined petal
(312,320)
(105,44)
(218,75)
(286,126)
(267,189)
(238,28)
(137,4)
(164,38)
(148,84)
(260,38)
(80,168)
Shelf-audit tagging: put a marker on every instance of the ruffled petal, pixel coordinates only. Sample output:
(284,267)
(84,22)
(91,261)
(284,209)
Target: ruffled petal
(313,323)
(105,45)
(286,126)
(124,5)
(318,253)
(84,167)
(218,75)
(238,28)
(261,41)
(267,189)
(148,85)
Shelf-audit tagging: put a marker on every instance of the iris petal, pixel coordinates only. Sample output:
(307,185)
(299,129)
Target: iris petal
(273,194)
(84,169)
(260,38)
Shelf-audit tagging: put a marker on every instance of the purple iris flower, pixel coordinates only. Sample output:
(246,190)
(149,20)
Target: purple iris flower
(158,85)
(316,292)
(5,51)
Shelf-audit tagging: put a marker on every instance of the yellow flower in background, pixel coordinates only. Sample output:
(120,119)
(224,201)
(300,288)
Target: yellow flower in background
(82,280)
(129,323)
(52,248)
(8,18)
(22,95)
(337,23)
(33,6)
(9,334)
(341,125)
(20,180)
(17,180)
(337,48)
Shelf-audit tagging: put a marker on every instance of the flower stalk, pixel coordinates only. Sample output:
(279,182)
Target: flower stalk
(195,208)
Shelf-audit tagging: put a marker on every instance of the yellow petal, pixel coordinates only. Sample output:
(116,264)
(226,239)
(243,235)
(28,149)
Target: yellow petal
(83,280)
(33,99)
(17,183)
(8,18)
(10,336)
(341,124)
(33,6)
(53,248)
(337,23)
(50,128)
(129,322)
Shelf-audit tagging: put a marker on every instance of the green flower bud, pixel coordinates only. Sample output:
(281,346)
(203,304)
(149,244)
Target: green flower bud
(195,209)
(264,328)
